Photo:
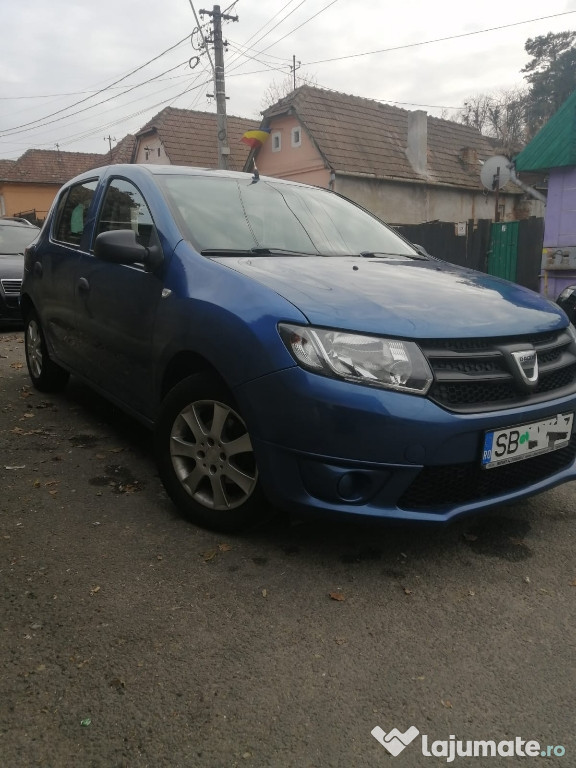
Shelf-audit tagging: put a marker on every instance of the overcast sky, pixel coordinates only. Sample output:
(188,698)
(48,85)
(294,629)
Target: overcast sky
(62,62)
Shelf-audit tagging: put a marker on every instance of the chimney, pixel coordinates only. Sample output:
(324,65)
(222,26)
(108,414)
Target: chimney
(417,150)
(469,157)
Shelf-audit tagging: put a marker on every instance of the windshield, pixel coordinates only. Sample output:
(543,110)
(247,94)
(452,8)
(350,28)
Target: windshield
(218,213)
(14,239)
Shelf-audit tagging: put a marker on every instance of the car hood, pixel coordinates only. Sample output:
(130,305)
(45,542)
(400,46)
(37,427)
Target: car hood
(404,297)
(11,265)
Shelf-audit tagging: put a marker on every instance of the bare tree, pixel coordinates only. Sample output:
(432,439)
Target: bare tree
(501,115)
(277,91)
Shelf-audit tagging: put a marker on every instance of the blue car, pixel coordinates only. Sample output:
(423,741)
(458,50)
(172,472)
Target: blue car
(292,351)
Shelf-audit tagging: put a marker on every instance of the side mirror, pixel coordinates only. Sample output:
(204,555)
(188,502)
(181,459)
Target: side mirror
(119,246)
(567,301)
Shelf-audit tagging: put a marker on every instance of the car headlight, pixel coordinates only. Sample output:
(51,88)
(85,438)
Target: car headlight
(372,360)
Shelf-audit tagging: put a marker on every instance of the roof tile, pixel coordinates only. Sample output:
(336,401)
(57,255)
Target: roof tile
(190,138)
(365,137)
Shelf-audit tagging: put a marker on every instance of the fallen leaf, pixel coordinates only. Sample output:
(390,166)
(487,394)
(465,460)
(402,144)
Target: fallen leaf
(336,596)
(470,537)
(447,703)
(210,555)
(264,593)
(224,547)
(573,583)
(17,366)
(94,590)
(407,591)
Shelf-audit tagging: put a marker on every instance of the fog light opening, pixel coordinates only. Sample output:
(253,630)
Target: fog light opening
(355,486)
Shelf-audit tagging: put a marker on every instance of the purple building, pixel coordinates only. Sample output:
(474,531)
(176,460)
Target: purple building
(554,149)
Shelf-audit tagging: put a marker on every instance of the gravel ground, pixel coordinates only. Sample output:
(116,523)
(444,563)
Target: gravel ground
(131,638)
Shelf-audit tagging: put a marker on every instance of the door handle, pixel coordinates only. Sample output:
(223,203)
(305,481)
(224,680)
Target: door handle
(83,285)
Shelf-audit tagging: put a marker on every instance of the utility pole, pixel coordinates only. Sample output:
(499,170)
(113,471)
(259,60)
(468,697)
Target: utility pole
(293,69)
(219,84)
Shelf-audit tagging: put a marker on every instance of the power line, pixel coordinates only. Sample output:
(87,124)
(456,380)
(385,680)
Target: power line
(6,131)
(438,39)
(300,25)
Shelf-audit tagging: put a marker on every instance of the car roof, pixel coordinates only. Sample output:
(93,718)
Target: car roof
(180,170)
(16,222)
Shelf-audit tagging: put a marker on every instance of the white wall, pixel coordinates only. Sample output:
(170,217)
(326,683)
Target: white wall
(400,203)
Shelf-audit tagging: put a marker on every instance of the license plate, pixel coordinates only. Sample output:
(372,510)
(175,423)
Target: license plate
(503,446)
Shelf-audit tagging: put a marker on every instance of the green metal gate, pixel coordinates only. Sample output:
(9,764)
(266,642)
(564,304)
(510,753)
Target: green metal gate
(503,253)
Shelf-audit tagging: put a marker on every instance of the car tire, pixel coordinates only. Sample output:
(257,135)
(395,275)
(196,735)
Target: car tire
(46,375)
(205,457)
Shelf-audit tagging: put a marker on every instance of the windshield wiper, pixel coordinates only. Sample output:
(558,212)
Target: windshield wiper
(280,252)
(256,251)
(377,254)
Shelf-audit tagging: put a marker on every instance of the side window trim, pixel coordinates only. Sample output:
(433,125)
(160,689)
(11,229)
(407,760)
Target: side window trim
(125,212)
(71,215)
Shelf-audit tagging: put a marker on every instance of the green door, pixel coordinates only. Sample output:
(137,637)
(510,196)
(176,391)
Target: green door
(503,253)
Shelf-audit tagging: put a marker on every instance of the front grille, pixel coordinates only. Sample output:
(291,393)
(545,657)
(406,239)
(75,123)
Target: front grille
(444,486)
(474,375)
(11,287)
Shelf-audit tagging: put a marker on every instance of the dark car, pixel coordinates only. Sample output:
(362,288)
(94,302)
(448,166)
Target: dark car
(567,300)
(15,235)
(288,347)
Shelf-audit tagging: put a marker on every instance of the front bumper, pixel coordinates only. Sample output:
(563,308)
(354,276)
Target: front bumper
(10,297)
(329,445)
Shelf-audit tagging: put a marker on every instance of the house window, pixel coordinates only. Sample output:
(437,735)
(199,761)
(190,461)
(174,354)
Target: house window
(296,136)
(276,141)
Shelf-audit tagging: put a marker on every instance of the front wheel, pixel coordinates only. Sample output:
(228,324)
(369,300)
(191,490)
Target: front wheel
(46,375)
(205,456)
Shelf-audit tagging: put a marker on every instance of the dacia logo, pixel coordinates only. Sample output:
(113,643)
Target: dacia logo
(527,362)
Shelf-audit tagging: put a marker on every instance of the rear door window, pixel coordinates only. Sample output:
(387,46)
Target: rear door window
(72,212)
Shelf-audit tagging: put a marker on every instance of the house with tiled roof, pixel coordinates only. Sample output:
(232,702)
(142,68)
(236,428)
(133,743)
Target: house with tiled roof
(404,166)
(122,152)
(553,150)
(31,183)
(186,137)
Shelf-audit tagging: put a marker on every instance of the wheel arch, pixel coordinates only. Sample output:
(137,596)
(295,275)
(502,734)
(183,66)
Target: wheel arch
(184,364)
(26,304)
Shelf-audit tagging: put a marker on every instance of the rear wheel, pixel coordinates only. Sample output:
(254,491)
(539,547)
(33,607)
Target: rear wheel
(46,375)
(205,456)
